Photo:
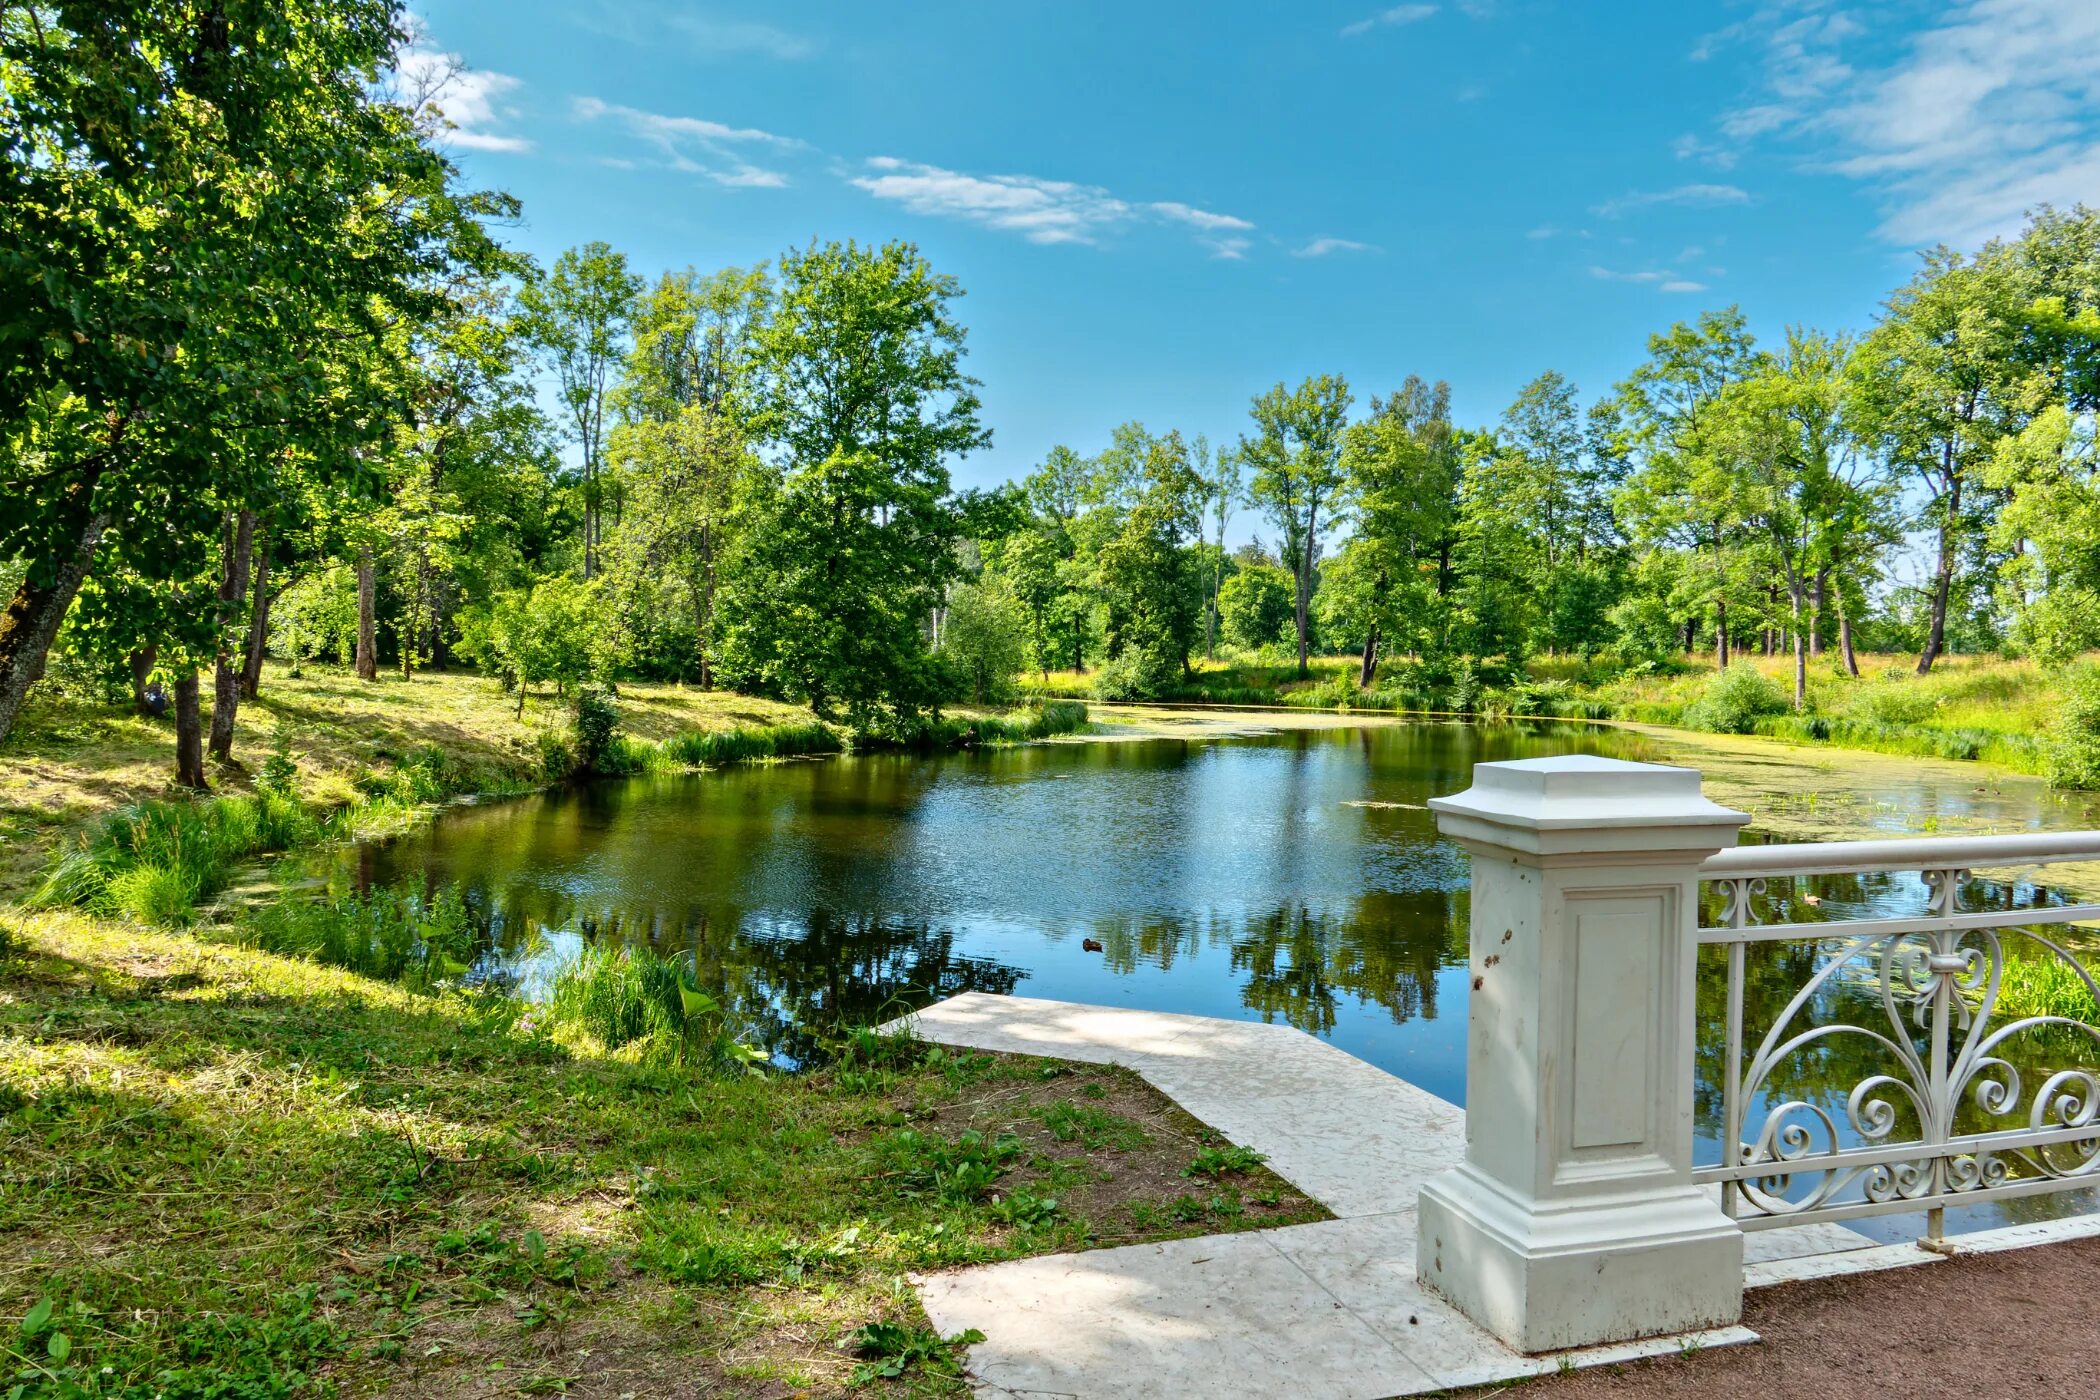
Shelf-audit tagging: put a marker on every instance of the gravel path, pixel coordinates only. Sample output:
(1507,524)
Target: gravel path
(2020,1325)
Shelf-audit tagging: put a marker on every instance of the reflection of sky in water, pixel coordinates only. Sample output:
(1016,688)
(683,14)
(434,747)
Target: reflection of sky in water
(1294,878)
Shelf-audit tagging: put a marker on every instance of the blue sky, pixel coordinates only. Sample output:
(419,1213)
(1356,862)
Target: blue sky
(1158,210)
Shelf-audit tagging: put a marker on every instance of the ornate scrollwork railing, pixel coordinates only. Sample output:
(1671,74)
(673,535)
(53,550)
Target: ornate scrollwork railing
(1893,1078)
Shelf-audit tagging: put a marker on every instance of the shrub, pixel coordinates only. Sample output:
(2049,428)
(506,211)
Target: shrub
(1734,702)
(2073,758)
(596,725)
(1256,604)
(1137,673)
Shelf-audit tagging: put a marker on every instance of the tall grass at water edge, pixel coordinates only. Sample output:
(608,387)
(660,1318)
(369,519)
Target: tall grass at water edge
(156,860)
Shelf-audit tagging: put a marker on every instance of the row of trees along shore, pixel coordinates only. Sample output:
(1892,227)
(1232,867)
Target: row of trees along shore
(271,384)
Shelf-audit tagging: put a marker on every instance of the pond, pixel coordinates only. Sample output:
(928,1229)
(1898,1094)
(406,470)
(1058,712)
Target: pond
(1293,877)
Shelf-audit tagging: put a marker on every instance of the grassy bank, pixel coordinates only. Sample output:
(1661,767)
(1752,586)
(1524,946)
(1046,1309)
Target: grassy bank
(229,1172)
(1970,708)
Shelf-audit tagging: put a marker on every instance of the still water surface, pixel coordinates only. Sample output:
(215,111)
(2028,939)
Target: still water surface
(1293,877)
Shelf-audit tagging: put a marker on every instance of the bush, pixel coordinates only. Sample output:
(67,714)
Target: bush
(1734,702)
(2073,759)
(985,639)
(596,724)
(1256,605)
(1137,673)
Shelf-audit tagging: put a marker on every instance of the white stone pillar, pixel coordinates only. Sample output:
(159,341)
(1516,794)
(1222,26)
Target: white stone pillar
(1574,1218)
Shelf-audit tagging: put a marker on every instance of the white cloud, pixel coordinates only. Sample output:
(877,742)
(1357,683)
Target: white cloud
(739,37)
(646,27)
(1690,147)
(1321,247)
(1201,218)
(464,103)
(695,146)
(1681,194)
(1662,279)
(1042,211)
(1989,110)
(1397,15)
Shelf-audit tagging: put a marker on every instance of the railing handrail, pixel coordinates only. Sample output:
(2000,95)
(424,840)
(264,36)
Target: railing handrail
(1907,853)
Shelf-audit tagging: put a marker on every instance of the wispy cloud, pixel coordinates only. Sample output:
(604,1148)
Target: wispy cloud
(1386,19)
(1962,127)
(737,37)
(466,104)
(1201,218)
(696,146)
(650,27)
(1042,211)
(1322,247)
(1662,279)
(1681,194)
(1694,148)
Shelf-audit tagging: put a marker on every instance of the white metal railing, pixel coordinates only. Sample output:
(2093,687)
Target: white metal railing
(1944,1116)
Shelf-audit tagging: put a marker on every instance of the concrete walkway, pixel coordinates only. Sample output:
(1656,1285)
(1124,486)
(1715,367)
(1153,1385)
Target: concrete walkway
(1329,1309)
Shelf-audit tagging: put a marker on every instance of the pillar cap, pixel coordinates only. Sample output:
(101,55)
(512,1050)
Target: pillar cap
(1579,803)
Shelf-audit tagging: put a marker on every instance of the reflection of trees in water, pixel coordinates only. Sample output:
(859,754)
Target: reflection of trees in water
(1386,951)
(791,982)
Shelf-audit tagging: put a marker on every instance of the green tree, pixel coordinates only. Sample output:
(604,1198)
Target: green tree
(1295,461)
(1256,606)
(1394,582)
(213,217)
(1938,383)
(985,637)
(858,392)
(578,316)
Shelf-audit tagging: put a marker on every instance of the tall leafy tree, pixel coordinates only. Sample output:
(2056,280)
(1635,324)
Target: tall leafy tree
(859,399)
(1937,384)
(1677,496)
(211,217)
(579,316)
(1294,456)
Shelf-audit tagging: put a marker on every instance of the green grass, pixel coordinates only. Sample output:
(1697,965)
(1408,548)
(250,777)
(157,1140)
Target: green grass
(229,1172)
(154,861)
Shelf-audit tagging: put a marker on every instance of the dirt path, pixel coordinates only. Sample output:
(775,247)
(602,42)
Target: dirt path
(2021,1325)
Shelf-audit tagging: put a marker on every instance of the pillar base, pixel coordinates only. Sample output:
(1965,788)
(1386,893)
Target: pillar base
(1546,1276)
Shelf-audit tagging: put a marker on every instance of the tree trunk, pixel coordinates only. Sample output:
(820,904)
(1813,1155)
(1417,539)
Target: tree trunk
(1800,647)
(1819,602)
(1305,573)
(367,617)
(189,733)
(1369,669)
(31,621)
(141,672)
(1943,580)
(1845,637)
(258,623)
(1720,634)
(226,681)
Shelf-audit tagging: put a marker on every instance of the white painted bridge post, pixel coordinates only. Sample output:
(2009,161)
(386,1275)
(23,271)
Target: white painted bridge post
(1574,1218)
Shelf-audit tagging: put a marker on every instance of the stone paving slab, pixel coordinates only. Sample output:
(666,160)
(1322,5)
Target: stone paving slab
(1326,1309)
(1354,1138)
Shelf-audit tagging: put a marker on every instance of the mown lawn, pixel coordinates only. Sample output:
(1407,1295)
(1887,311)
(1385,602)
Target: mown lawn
(228,1173)
(68,760)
